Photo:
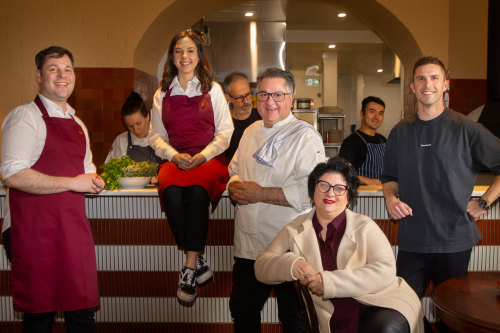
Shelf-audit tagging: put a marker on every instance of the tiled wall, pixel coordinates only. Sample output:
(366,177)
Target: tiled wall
(467,94)
(98,98)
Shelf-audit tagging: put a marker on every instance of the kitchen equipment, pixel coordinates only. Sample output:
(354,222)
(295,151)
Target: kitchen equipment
(304,103)
(330,110)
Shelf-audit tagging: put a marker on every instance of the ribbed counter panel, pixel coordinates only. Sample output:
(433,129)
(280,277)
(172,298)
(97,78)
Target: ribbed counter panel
(138,264)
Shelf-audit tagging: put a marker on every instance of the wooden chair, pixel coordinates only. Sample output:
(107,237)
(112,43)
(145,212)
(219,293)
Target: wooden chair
(307,307)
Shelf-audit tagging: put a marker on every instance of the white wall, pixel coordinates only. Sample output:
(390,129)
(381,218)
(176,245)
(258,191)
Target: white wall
(371,85)
(303,91)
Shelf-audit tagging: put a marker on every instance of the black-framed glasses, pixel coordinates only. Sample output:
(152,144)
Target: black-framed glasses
(338,189)
(263,96)
(240,99)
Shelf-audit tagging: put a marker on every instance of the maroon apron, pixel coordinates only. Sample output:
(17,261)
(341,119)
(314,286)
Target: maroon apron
(53,255)
(189,122)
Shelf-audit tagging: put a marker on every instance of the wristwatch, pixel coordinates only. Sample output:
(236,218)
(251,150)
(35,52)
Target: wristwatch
(483,204)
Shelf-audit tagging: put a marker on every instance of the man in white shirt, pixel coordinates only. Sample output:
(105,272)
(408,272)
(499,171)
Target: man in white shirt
(269,183)
(47,165)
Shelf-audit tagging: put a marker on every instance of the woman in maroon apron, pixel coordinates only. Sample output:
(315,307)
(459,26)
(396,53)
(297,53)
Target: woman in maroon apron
(191,128)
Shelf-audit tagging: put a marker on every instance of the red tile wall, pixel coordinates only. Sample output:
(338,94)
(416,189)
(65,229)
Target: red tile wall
(467,94)
(98,98)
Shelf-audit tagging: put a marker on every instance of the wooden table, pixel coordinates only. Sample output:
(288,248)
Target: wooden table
(470,303)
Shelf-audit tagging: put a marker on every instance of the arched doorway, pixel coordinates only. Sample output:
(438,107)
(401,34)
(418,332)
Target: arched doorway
(181,15)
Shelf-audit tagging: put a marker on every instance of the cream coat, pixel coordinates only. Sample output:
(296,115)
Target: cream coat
(366,268)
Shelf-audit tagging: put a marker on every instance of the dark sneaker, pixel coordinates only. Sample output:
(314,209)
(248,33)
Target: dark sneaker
(187,285)
(203,271)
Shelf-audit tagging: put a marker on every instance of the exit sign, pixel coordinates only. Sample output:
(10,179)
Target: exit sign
(313,81)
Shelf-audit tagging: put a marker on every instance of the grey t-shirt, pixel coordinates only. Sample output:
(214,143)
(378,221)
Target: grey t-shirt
(435,164)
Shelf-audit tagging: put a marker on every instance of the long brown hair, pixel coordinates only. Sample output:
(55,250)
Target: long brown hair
(203,70)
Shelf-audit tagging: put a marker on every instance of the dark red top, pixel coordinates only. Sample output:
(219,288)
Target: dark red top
(346,310)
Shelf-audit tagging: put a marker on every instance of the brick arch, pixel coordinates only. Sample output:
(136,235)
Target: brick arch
(181,14)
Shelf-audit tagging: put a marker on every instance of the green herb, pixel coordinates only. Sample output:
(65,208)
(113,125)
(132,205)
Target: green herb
(141,169)
(125,167)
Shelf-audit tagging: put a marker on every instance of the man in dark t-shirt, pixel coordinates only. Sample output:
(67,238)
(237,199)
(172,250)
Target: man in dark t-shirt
(364,149)
(431,163)
(240,99)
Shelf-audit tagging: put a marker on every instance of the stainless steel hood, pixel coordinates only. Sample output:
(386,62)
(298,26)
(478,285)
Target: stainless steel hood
(248,47)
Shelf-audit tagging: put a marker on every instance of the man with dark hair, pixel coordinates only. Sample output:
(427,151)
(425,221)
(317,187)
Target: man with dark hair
(364,149)
(47,165)
(431,163)
(240,98)
(269,183)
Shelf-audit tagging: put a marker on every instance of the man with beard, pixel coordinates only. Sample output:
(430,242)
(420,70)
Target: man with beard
(239,96)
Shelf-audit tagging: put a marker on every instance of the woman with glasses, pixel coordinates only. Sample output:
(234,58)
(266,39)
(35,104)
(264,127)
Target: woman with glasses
(191,128)
(343,258)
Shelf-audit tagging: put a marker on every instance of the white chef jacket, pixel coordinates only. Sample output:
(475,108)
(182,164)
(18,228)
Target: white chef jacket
(158,137)
(257,224)
(23,138)
(119,147)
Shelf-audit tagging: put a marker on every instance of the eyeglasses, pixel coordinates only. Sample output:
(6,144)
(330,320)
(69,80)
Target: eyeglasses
(338,189)
(277,96)
(240,99)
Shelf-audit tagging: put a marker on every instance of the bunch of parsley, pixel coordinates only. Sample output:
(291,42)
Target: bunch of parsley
(125,167)
(141,169)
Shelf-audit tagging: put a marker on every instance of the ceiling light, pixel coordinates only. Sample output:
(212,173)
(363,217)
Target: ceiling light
(332,46)
(380,70)
(248,14)
(341,14)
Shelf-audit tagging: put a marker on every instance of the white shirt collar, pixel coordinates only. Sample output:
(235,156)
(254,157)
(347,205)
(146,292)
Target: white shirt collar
(55,110)
(191,84)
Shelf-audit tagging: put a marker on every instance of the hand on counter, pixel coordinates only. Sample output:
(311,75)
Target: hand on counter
(369,181)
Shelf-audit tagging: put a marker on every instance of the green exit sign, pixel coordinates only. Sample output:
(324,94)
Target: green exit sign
(313,82)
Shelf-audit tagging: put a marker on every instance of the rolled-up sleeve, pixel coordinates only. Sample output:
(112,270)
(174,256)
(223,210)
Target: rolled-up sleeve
(19,142)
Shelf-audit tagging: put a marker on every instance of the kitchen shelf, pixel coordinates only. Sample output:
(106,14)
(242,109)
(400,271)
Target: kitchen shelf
(331,128)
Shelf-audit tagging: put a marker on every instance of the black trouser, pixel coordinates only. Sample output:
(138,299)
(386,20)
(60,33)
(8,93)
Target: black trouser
(420,268)
(6,243)
(381,320)
(248,297)
(78,321)
(187,214)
